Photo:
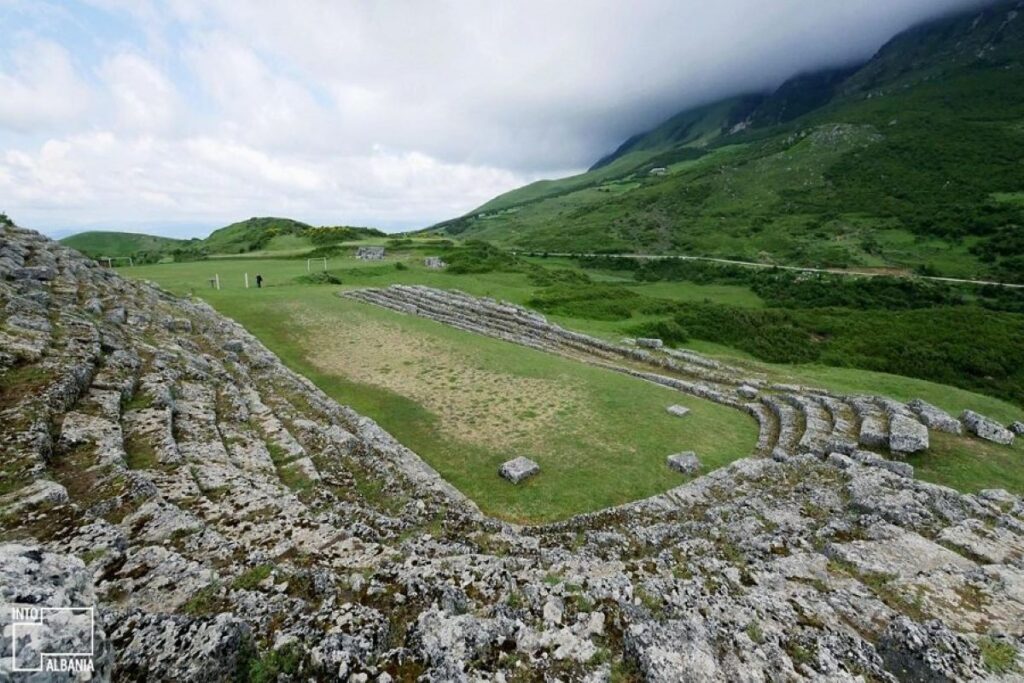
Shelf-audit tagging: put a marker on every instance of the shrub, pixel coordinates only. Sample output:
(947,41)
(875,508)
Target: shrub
(477,256)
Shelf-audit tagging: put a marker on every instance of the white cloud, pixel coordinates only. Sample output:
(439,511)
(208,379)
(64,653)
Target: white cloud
(134,181)
(144,99)
(390,112)
(42,89)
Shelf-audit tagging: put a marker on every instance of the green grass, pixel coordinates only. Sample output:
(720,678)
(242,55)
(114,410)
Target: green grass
(272,314)
(999,656)
(969,464)
(591,454)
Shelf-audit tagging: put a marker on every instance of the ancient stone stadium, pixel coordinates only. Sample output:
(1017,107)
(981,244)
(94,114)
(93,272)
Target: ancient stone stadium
(152,450)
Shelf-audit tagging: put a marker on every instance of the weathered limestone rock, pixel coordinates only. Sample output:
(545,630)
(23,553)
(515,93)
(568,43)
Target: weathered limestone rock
(370,253)
(434,262)
(928,652)
(172,647)
(649,343)
(35,273)
(518,469)
(179,325)
(873,432)
(33,578)
(678,410)
(1016,427)
(746,391)
(907,435)
(935,418)
(234,345)
(903,469)
(685,462)
(987,429)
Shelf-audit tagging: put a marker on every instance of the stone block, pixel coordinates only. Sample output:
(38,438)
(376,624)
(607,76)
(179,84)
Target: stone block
(907,435)
(685,462)
(987,429)
(747,391)
(936,418)
(677,410)
(519,469)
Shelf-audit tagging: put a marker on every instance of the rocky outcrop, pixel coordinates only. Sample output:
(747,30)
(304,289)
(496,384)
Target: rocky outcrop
(229,520)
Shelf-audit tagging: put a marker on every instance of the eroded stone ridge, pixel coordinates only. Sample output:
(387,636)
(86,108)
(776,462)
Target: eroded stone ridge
(230,519)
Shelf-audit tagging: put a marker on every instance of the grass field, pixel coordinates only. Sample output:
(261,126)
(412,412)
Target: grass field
(467,403)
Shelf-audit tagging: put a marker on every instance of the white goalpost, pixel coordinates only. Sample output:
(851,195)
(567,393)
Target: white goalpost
(110,260)
(309,264)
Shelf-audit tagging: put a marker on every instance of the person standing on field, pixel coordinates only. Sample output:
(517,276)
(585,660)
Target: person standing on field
(259,281)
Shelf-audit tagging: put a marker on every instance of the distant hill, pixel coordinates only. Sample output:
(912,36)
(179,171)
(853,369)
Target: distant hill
(252,235)
(98,244)
(909,161)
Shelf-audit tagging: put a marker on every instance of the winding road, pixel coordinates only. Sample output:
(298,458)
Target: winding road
(752,264)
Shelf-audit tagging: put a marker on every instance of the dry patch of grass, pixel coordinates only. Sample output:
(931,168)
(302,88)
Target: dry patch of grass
(475,404)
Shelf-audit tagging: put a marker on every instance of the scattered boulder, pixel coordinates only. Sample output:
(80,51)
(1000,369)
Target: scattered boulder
(685,462)
(935,418)
(649,343)
(907,435)
(987,429)
(1016,427)
(519,469)
(678,410)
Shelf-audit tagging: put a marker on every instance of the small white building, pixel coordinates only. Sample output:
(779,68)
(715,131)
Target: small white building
(370,253)
(435,262)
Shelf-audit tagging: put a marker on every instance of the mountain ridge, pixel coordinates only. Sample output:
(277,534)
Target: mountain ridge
(789,177)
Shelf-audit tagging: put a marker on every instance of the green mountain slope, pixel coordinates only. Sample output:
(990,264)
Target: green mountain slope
(100,244)
(912,160)
(254,234)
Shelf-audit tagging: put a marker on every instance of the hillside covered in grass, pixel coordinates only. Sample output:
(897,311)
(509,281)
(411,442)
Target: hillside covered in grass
(911,161)
(101,244)
(251,235)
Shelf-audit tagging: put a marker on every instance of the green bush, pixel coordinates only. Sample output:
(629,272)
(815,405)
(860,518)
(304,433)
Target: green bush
(476,256)
(596,302)
(929,343)
(320,278)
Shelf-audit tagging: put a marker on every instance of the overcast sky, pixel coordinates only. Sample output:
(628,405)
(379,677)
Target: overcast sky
(176,117)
